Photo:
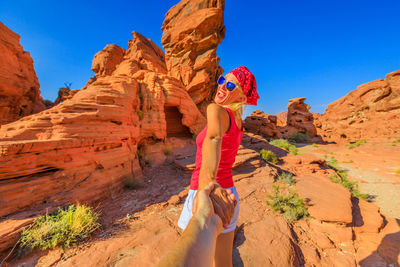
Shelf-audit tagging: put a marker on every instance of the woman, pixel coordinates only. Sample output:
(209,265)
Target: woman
(219,142)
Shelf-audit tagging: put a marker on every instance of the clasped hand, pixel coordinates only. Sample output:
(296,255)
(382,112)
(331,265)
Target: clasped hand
(223,203)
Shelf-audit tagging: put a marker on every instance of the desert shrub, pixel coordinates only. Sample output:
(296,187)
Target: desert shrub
(332,163)
(283,143)
(342,179)
(65,227)
(347,161)
(287,202)
(398,170)
(394,142)
(286,178)
(131,182)
(300,137)
(167,150)
(315,145)
(268,156)
(140,114)
(357,143)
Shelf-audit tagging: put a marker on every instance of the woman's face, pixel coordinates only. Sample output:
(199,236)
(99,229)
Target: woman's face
(226,97)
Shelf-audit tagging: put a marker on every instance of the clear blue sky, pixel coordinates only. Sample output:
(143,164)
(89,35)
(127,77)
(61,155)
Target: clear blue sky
(317,49)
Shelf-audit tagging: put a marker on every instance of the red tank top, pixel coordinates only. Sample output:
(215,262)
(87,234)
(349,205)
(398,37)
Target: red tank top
(230,145)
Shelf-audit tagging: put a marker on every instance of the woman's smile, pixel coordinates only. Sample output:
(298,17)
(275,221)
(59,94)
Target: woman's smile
(221,94)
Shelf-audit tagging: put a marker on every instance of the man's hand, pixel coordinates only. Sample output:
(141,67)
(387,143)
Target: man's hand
(212,200)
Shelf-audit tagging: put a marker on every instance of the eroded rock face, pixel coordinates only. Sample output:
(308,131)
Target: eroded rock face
(192,31)
(341,231)
(372,110)
(105,61)
(19,86)
(64,94)
(299,119)
(83,148)
(260,123)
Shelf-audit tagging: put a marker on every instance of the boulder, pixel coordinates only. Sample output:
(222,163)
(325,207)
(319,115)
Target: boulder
(260,123)
(299,119)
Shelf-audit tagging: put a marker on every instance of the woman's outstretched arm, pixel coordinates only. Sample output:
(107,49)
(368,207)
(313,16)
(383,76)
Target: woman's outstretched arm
(218,122)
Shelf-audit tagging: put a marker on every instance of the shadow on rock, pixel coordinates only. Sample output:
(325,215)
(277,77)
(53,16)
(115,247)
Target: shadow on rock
(387,253)
(238,241)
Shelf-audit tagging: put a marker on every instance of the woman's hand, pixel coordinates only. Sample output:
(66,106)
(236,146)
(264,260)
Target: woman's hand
(224,204)
(223,201)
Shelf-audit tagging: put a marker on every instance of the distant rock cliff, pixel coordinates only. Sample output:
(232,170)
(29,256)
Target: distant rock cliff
(372,110)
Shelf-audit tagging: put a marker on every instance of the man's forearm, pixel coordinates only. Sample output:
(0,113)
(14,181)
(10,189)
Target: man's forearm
(196,246)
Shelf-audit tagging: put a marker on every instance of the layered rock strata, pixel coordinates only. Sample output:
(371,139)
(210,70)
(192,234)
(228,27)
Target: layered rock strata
(341,231)
(19,86)
(192,31)
(84,148)
(372,110)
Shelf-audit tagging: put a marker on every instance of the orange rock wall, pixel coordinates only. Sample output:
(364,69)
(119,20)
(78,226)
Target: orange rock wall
(192,31)
(19,86)
(84,148)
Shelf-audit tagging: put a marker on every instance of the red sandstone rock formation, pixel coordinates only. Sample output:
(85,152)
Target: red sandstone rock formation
(260,123)
(83,148)
(299,119)
(192,31)
(372,110)
(281,118)
(64,94)
(341,231)
(105,61)
(19,86)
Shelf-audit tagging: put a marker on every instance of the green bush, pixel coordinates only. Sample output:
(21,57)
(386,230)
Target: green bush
(315,145)
(357,143)
(398,170)
(283,143)
(131,182)
(268,156)
(286,178)
(300,137)
(65,227)
(333,163)
(140,114)
(287,202)
(167,150)
(348,161)
(342,179)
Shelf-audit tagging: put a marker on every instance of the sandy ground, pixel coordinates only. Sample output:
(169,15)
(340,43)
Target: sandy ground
(373,164)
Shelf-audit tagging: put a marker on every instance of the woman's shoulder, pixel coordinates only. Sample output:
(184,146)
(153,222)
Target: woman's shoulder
(217,111)
(213,107)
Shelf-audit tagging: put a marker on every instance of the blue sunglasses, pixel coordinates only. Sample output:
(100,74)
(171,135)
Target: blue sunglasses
(229,85)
